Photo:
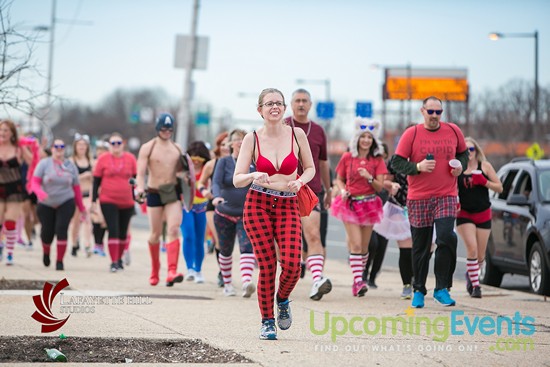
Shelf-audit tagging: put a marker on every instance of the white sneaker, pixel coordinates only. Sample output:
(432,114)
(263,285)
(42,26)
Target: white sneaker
(228,290)
(198,277)
(190,275)
(248,289)
(320,288)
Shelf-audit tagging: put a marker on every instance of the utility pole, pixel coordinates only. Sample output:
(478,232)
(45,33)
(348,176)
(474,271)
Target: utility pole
(184,114)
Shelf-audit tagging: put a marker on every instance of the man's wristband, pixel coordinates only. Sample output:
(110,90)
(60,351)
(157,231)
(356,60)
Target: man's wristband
(418,167)
(300,181)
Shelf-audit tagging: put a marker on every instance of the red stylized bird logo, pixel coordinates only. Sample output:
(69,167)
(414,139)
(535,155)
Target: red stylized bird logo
(43,305)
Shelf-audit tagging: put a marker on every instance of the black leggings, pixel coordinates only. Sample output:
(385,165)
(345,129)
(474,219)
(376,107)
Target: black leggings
(117,220)
(55,221)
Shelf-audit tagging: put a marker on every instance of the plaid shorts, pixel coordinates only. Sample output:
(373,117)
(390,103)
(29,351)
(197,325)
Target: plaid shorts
(422,213)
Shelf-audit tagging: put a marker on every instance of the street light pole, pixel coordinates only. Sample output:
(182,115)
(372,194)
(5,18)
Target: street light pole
(184,115)
(50,58)
(495,36)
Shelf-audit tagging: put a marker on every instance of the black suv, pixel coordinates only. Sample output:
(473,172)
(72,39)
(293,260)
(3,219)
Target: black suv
(520,235)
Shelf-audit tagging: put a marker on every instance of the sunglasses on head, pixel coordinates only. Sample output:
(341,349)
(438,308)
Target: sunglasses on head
(59,146)
(437,112)
(117,142)
(472,149)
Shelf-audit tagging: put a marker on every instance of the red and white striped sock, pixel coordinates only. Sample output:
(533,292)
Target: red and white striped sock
(11,235)
(247,267)
(226,263)
(473,271)
(315,264)
(114,252)
(355,262)
(61,248)
(365,259)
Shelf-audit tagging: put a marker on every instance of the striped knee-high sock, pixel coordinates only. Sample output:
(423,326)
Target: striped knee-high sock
(247,267)
(114,251)
(315,264)
(46,247)
(226,263)
(11,235)
(473,271)
(365,259)
(356,264)
(61,248)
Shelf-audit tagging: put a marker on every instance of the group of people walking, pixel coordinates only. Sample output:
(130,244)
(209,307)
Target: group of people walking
(249,190)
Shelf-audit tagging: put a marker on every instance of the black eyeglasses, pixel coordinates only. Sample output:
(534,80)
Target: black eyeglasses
(271,104)
(59,146)
(472,149)
(437,112)
(118,142)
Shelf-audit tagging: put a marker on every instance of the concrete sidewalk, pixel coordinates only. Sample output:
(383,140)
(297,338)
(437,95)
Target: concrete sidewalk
(336,331)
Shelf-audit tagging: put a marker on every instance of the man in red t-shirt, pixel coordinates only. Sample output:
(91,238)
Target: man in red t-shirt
(423,153)
(313,232)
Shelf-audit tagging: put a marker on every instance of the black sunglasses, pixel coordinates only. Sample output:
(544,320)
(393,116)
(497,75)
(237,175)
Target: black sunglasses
(116,143)
(59,146)
(437,112)
(472,149)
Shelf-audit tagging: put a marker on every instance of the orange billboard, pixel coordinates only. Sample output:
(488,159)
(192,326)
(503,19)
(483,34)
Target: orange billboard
(418,84)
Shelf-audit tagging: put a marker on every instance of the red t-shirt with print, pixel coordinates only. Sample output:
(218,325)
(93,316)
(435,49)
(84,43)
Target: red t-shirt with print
(444,143)
(115,173)
(348,168)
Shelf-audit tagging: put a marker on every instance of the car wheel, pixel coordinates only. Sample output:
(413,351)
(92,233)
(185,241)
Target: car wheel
(490,274)
(538,271)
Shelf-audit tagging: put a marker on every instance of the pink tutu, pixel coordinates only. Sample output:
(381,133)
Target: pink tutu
(395,224)
(364,212)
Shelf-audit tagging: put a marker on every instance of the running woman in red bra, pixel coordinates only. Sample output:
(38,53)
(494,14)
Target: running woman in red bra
(473,222)
(271,212)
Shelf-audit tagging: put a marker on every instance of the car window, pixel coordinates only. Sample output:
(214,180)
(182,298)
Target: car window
(524,185)
(544,184)
(507,181)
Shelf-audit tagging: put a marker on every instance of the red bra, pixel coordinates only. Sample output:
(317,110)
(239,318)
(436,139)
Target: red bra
(288,166)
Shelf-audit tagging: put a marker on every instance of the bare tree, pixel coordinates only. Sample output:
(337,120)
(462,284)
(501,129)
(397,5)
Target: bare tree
(17,72)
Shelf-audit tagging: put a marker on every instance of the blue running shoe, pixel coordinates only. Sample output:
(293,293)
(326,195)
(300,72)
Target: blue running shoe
(418,300)
(268,330)
(284,316)
(443,297)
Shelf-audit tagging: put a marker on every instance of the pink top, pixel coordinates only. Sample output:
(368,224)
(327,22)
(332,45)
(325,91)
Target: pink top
(115,173)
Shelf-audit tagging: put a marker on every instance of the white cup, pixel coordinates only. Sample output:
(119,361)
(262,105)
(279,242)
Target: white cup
(454,163)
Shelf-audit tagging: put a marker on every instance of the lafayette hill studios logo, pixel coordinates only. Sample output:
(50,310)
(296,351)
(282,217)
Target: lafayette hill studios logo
(43,303)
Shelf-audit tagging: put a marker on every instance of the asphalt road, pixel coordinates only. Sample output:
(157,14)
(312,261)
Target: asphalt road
(337,249)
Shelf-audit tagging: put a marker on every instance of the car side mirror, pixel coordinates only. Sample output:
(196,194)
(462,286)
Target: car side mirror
(518,199)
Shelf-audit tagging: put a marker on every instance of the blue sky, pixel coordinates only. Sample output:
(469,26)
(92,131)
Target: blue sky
(259,44)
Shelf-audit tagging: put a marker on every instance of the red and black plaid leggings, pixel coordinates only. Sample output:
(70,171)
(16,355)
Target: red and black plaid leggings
(270,219)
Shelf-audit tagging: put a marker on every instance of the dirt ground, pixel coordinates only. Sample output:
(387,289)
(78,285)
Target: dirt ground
(114,350)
